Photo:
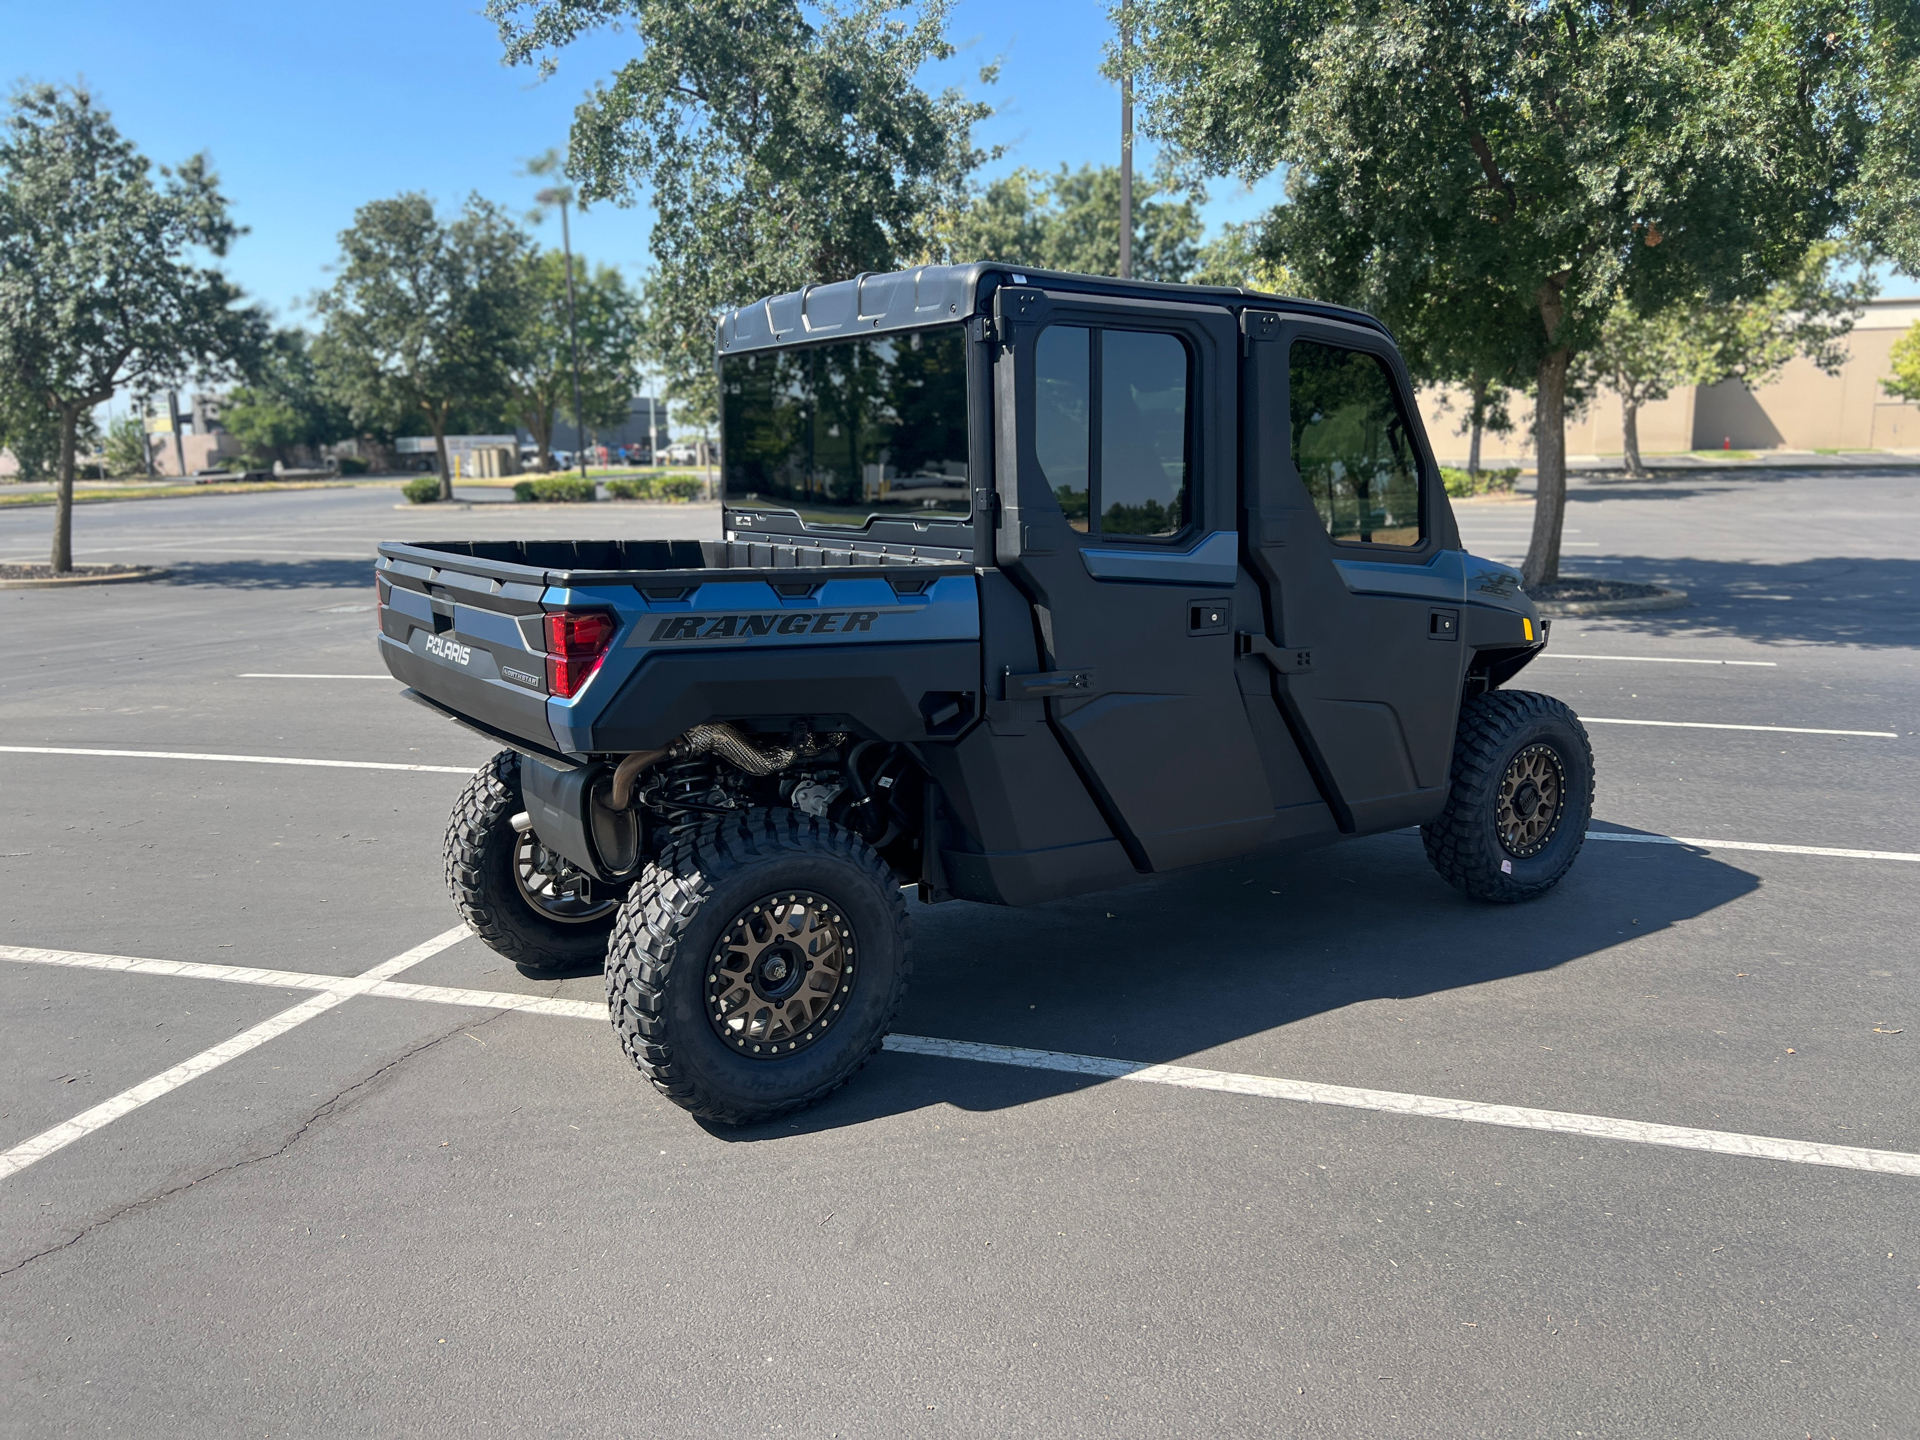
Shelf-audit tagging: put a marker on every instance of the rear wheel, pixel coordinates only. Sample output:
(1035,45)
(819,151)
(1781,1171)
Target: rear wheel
(524,900)
(757,964)
(1521,797)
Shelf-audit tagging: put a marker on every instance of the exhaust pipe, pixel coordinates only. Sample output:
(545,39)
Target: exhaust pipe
(721,740)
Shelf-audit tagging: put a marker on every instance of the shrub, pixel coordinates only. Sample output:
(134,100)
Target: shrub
(351,465)
(641,489)
(679,487)
(422,491)
(561,489)
(1461,484)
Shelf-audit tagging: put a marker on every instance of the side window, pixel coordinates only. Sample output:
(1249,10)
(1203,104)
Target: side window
(1351,445)
(1110,428)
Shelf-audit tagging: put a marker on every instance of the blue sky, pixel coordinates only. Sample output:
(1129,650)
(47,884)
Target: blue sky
(309,110)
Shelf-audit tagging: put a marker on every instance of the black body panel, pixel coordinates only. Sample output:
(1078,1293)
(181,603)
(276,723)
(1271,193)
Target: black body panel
(1152,715)
(1369,690)
(875,690)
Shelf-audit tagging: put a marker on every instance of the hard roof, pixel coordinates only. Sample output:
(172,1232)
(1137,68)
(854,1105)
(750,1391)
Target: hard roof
(930,294)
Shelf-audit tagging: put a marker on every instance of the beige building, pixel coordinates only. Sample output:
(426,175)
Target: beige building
(1803,409)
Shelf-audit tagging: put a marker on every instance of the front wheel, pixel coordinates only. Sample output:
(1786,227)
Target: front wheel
(757,964)
(529,903)
(1521,796)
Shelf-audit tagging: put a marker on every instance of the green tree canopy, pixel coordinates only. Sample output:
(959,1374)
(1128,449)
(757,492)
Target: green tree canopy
(1905,381)
(780,144)
(100,287)
(285,402)
(1492,176)
(607,319)
(1070,220)
(1641,358)
(126,446)
(423,315)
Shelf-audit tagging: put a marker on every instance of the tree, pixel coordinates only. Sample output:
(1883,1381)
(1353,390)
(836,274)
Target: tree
(1071,221)
(284,402)
(1697,342)
(126,447)
(607,318)
(1905,383)
(1505,171)
(781,145)
(420,320)
(98,286)
(29,431)
(1235,257)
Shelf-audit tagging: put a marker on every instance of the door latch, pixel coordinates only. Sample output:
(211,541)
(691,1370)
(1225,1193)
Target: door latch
(1209,617)
(1047,683)
(1295,660)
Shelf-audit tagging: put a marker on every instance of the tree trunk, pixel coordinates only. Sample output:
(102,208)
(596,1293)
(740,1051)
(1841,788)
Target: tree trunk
(541,418)
(1630,433)
(439,420)
(1477,424)
(1542,565)
(63,493)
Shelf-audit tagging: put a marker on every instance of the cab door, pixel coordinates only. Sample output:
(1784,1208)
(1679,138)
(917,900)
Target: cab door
(1353,543)
(1115,462)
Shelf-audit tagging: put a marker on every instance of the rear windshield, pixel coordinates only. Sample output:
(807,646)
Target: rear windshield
(846,431)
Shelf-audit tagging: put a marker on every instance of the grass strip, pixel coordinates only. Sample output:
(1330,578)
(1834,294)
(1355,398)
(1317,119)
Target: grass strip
(174,492)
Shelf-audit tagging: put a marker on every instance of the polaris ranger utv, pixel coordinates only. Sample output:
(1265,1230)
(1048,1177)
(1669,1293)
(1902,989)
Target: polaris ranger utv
(1032,584)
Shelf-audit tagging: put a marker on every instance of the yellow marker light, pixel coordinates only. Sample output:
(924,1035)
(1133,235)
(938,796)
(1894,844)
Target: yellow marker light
(1526,627)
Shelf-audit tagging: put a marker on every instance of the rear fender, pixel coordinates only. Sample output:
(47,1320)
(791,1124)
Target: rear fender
(897,657)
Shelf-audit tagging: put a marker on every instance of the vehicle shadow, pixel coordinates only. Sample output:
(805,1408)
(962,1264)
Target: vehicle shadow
(1176,967)
(273,574)
(1828,600)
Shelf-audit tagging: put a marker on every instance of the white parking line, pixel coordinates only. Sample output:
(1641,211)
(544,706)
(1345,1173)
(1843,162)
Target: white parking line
(343,985)
(1754,845)
(235,759)
(335,989)
(338,990)
(1430,1107)
(1714,725)
(1653,659)
(268,675)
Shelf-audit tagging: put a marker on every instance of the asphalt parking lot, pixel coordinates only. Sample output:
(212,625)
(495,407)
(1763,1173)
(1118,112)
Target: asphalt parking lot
(345,1172)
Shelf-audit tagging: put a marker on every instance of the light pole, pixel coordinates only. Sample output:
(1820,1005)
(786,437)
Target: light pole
(1126,148)
(562,195)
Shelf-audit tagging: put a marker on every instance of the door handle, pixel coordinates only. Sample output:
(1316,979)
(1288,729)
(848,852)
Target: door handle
(1047,683)
(1295,660)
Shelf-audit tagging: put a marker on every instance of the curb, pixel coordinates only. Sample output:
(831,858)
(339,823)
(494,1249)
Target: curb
(1665,600)
(111,577)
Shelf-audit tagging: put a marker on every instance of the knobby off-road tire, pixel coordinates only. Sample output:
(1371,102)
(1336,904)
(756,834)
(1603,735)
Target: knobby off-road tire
(1496,839)
(769,888)
(481,866)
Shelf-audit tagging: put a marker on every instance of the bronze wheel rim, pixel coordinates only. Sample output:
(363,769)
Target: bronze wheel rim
(1531,796)
(573,901)
(780,974)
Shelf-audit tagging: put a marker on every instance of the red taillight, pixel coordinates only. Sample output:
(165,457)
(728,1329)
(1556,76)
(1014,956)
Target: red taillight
(577,642)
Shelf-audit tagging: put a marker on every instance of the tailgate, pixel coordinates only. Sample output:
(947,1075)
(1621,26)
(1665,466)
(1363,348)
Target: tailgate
(469,642)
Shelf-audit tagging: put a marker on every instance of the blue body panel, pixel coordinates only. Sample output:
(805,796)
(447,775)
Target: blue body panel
(1452,575)
(1214,560)
(750,615)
